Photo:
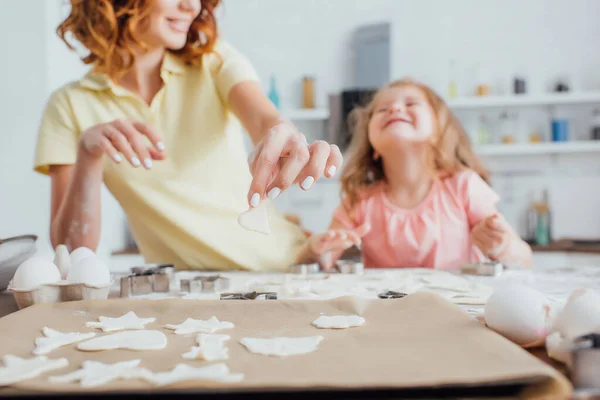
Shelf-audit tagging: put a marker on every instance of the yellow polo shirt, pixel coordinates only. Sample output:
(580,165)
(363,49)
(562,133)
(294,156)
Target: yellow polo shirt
(184,210)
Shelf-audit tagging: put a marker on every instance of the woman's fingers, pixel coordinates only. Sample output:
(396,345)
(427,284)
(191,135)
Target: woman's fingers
(121,144)
(110,150)
(135,140)
(151,133)
(298,156)
(315,167)
(334,161)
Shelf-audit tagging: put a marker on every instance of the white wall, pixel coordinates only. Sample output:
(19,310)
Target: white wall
(24,200)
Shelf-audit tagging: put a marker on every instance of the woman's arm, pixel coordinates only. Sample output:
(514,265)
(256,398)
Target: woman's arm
(282,156)
(76,204)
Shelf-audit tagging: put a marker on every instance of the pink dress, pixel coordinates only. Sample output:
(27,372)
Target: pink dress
(435,234)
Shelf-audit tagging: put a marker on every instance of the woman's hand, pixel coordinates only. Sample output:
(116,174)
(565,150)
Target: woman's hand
(125,137)
(492,236)
(284,158)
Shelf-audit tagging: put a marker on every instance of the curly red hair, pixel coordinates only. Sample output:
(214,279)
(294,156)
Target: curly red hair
(107,29)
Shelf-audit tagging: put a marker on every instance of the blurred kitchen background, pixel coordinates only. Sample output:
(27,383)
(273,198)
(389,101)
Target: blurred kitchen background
(523,77)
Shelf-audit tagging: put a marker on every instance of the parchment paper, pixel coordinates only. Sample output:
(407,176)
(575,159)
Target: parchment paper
(420,340)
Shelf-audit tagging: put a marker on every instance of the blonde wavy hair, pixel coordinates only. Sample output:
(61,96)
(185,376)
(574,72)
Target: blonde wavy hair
(451,149)
(107,28)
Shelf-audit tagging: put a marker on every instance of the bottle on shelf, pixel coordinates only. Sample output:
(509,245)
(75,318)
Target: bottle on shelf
(543,235)
(483,131)
(595,129)
(273,95)
(308,92)
(452,89)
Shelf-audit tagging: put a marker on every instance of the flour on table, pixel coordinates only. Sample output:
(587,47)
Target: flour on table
(94,373)
(447,281)
(282,346)
(211,347)
(182,372)
(17,369)
(256,219)
(54,339)
(127,340)
(191,325)
(127,321)
(338,321)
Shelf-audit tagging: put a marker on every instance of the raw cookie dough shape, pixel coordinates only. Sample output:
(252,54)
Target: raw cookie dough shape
(182,372)
(54,339)
(338,321)
(17,369)
(126,321)
(282,346)
(256,219)
(191,325)
(211,347)
(127,340)
(94,373)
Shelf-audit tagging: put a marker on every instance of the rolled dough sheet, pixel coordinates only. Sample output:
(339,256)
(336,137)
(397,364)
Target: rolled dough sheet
(338,321)
(191,325)
(282,346)
(182,372)
(127,321)
(18,369)
(94,373)
(128,340)
(256,219)
(54,339)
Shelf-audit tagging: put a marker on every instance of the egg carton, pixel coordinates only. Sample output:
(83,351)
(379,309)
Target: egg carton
(58,292)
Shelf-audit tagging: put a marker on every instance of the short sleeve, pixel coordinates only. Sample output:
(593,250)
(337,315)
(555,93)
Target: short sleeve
(479,198)
(57,134)
(350,218)
(231,67)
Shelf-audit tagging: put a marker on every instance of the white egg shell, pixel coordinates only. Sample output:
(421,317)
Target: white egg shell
(34,272)
(91,271)
(580,316)
(558,348)
(80,253)
(519,313)
(62,259)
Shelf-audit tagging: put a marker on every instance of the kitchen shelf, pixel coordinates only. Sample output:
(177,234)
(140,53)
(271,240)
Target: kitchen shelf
(317,114)
(548,99)
(583,146)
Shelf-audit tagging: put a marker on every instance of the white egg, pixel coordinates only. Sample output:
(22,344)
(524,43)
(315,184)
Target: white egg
(62,259)
(519,313)
(580,316)
(34,272)
(91,271)
(80,253)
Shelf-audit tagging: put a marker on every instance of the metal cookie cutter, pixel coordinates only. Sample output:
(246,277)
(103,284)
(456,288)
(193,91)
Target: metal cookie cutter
(585,368)
(305,269)
(205,284)
(350,267)
(146,280)
(249,296)
(390,294)
(167,269)
(485,268)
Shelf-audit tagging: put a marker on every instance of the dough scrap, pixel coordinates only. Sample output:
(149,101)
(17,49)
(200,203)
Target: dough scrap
(338,321)
(191,325)
(211,347)
(256,219)
(126,321)
(54,339)
(127,340)
(282,346)
(94,373)
(182,372)
(17,369)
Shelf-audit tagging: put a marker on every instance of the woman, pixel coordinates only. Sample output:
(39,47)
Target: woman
(157,119)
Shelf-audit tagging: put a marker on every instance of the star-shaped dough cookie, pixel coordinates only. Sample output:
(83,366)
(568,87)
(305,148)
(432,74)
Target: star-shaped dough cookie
(191,325)
(54,339)
(127,321)
(17,369)
(211,347)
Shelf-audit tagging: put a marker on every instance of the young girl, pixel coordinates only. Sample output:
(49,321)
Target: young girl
(414,193)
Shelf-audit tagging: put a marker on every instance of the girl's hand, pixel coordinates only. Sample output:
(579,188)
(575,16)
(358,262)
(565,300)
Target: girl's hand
(337,240)
(284,157)
(125,137)
(492,236)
